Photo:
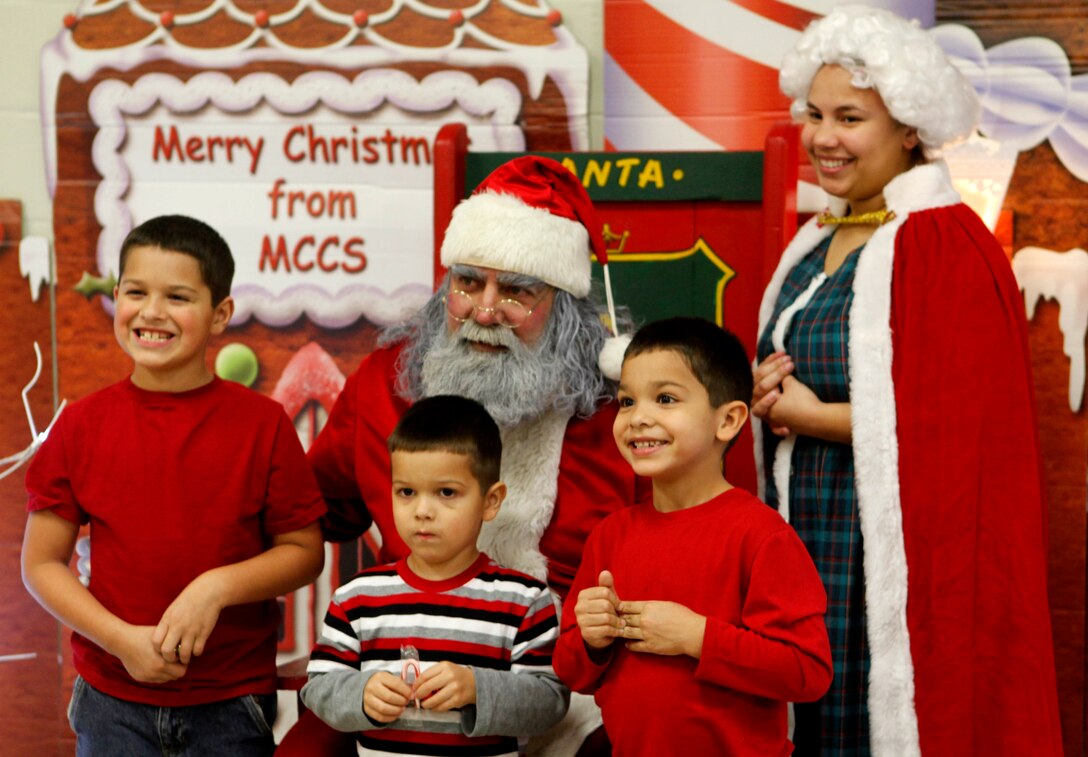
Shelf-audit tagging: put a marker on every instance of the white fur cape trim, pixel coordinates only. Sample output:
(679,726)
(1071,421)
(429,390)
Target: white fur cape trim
(892,716)
(530,470)
(502,232)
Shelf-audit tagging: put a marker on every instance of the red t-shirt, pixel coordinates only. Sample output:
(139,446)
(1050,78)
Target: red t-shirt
(173,485)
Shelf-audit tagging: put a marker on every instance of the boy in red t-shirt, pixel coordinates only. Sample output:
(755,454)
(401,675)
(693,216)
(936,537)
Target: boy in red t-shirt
(202,511)
(700,616)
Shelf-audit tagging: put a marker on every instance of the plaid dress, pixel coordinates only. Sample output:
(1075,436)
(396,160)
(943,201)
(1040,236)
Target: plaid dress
(823,504)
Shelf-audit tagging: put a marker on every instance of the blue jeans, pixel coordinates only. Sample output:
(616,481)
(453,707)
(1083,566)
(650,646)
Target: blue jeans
(109,727)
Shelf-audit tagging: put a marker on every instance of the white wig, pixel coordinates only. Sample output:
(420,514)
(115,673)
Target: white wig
(901,61)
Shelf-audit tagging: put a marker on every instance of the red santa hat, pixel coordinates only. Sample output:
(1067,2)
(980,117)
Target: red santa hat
(533,216)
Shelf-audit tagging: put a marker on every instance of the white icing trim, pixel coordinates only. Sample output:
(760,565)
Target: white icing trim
(52,66)
(288,15)
(565,61)
(1060,276)
(90,8)
(326,14)
(534,11)
(267,34)
(331,312)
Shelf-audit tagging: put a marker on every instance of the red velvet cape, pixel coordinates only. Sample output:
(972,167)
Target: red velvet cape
(950,493)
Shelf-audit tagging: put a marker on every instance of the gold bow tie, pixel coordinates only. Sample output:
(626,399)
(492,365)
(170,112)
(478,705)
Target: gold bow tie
(874,218)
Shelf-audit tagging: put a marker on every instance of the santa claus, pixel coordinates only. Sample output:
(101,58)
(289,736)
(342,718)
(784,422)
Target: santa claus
(512,326)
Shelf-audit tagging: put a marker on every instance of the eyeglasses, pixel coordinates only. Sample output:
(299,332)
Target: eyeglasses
(508,313)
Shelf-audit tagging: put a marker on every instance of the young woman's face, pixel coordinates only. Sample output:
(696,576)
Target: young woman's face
(853,141)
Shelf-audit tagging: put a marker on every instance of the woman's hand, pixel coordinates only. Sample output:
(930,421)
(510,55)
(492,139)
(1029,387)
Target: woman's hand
(798,410)
(768,378)
(795,402)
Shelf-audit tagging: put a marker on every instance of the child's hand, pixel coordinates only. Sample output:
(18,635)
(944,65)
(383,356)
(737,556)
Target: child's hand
(596,613)
(141,658)
(385,697)
(446,686)
(189,620)
(664,628)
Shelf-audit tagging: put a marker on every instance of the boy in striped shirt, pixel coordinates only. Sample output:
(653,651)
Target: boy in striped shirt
(484,633)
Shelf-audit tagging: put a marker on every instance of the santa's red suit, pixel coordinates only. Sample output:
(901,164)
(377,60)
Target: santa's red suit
(564,475)
(950,496)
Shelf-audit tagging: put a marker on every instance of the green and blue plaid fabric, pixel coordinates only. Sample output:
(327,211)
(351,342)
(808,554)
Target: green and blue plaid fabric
(823,505)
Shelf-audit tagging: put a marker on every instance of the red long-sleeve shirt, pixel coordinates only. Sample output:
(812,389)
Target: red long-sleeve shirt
(735,561)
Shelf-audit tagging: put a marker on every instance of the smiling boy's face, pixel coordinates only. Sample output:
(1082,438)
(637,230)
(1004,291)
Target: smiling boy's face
(665,423)
(164,319)
(667,429)
(438,509)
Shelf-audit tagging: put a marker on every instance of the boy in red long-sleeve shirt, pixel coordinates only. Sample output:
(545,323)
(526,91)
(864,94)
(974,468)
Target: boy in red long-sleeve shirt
(202,510)
(697,618)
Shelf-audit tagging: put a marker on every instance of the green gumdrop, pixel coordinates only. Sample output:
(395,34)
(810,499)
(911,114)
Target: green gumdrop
(237,362)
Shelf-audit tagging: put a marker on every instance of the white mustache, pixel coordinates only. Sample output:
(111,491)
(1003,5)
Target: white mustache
(497,336)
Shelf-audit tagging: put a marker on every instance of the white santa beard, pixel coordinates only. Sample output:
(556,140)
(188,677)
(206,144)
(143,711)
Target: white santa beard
(515,384)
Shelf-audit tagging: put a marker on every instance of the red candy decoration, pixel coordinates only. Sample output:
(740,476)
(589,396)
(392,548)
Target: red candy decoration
(70,21)
(456,18)
(261,19)
(361,18)
(166,18)
(555,18)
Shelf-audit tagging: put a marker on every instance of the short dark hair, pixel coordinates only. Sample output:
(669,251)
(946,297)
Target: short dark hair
(447,423)
(715,355)
(191,237)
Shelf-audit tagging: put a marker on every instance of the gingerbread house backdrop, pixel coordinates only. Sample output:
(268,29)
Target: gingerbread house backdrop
(303,128)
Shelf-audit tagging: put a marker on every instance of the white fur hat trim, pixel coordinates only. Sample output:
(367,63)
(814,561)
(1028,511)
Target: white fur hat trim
(502,232)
